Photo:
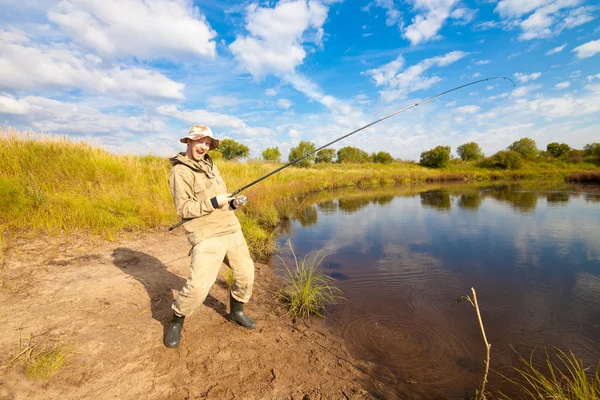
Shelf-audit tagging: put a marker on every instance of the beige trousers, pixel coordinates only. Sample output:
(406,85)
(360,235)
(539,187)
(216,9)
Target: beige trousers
(207,258)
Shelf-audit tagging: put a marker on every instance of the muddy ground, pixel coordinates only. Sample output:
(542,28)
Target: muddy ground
(110,302)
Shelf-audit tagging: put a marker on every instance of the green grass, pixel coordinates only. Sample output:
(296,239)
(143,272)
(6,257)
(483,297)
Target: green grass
(305,289)
(47,362)
(567,378)
(227,278)
(56,186)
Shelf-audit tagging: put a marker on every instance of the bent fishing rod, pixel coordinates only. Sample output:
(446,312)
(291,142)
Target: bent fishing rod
(352,133)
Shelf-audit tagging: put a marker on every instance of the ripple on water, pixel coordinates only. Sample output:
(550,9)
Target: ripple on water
(417,349)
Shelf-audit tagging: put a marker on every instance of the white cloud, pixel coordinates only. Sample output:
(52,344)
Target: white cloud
(463,15)
(314,92)
(399,84)
(566,106)
(523,90)
(146,29)
(563,85)
(284,103)
(276,36)
(556,50)
(588,49)
(48,115)
(222,101)
(524,78)
(517,8)
(38,68)
(467,109)
(592,77)
(392,14)
(201,116)
(431,15)
(271,92)
(483,62)
(543,18)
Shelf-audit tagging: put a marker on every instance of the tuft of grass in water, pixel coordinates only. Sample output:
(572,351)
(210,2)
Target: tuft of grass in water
(306,290)
(566,379)
(47,362)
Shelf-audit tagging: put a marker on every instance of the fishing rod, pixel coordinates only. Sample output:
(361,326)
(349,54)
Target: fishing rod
(352,133)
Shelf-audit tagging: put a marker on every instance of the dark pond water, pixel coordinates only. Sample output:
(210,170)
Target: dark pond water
(403,256)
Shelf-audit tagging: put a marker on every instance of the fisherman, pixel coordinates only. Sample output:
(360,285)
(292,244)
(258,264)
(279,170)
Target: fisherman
(202,200)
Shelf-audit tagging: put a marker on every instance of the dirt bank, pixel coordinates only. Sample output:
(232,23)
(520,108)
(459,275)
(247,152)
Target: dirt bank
(110,305)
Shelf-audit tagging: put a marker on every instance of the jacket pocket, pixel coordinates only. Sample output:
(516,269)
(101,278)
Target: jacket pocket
(203,190)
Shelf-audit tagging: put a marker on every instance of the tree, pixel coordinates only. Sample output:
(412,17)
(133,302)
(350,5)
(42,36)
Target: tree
(232,150)
(558,150)
(592,149)
(271,154)
(351,154)
(304,147)
(469,151)
(437,157)
(325,156)
(525,147)
(383,157)
(507,159)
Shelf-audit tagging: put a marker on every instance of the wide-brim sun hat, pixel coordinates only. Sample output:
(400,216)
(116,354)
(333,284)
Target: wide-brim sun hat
(198,132)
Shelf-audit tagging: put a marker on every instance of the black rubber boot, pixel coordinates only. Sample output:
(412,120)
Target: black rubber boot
(173,335)
(236,313)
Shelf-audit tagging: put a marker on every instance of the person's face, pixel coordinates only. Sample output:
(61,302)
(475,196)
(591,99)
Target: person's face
(198,148)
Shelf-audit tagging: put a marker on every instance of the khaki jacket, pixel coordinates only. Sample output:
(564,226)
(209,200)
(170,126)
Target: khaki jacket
(193,184)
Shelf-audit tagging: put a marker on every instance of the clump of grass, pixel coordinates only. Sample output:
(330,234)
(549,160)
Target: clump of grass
(567,379)
(47,361)
(306,290)
(227,278)
(42,357)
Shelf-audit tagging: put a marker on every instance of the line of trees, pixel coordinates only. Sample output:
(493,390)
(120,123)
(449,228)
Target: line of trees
(346,154)
(514,156)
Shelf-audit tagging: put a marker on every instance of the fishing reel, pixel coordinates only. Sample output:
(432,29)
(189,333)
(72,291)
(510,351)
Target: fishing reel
(240,201)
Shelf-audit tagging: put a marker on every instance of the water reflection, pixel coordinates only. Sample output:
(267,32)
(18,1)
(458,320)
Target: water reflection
(470,201)
(437,199)
(402,263)
(557,197)
(523,201)
(307,216)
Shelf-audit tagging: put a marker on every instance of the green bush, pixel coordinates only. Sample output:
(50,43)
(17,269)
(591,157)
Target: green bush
(271,154)
(232,150)
(438,157)
(469,151)
(325,156)
(383,158)
(304,147)
(525,147)
(507,159)
(351,154)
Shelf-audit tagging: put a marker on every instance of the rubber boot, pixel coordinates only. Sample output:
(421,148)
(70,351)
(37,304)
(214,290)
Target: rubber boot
(236,313)
(173,335)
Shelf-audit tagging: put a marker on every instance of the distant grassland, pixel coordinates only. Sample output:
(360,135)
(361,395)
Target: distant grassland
(53,185)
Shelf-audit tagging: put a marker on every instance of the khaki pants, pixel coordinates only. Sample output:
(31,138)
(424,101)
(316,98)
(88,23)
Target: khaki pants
(207,258)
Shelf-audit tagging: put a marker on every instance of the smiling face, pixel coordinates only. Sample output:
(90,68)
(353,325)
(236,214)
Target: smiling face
(196,149)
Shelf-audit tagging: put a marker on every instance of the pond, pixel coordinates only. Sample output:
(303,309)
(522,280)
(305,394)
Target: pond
(402,257)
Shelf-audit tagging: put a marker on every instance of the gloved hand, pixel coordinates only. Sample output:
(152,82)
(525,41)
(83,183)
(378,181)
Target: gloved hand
(222,199)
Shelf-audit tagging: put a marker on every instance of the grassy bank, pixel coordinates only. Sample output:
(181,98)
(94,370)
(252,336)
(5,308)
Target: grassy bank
(53,185)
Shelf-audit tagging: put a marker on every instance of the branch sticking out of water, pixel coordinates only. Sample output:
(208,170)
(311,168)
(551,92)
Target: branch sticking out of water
(481,392)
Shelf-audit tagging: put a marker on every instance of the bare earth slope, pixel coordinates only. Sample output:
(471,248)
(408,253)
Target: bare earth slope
(111,304)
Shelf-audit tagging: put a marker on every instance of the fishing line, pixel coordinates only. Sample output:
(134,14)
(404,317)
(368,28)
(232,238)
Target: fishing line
(352,133)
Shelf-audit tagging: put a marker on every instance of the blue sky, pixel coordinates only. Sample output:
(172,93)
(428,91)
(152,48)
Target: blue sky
(134,75)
